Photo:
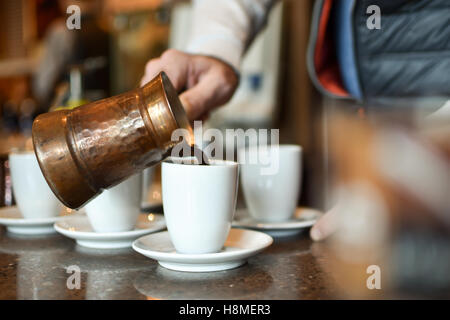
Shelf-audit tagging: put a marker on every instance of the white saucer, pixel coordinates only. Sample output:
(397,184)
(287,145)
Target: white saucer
(12,218)
(240,245)
(80,229)
(303,218)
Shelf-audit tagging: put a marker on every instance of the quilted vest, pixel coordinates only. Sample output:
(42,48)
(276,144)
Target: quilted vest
(408,57)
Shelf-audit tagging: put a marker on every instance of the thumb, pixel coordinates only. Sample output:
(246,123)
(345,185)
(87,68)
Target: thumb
(204,96)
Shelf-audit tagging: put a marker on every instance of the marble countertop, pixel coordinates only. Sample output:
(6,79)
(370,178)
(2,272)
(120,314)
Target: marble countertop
(36,268)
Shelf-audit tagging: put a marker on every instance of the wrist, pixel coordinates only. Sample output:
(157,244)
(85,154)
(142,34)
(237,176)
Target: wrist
(223,48)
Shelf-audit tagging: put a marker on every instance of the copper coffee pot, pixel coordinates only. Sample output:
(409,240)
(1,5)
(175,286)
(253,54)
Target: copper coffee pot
(96,146)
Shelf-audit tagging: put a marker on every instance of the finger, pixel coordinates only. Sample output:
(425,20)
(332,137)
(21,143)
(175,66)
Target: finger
(204,96)
(152,69)
(186,104)
(173,63)
(325,226)
(205,116)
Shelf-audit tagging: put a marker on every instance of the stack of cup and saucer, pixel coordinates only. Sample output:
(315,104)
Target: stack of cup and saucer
(113,220)
(199,203)
(271,182)
(37,207)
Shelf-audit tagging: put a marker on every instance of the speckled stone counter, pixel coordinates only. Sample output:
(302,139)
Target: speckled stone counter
(36,268)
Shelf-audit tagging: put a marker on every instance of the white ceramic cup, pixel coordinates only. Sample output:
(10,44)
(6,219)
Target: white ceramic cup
(117,209)
(199,203)
(34,197)
(147,197)
(147,180)
(271,180)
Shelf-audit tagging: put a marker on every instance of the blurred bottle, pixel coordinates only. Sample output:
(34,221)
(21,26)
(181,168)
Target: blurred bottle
(6,195)
(76,94)
(76,97)
(17,113)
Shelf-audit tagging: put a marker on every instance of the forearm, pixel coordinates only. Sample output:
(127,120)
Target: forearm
(225,28)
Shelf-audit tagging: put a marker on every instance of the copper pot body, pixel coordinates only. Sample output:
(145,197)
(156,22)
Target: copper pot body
(98,145)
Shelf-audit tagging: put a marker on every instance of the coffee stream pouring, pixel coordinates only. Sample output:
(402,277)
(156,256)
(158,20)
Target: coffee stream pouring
(97,145)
